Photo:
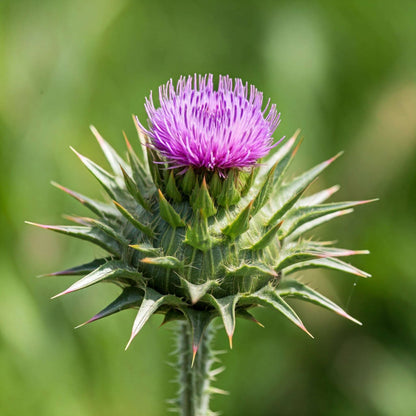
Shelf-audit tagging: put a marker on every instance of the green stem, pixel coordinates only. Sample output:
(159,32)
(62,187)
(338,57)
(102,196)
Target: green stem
(194,392)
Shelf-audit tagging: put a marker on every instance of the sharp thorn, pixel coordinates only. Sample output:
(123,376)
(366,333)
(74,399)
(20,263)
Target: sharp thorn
(37,225)
(147,260)
(296,149)
(333,189)
(126,140)
(97,135)
(194,351)
(39,276)
(93,319)
(345,315)
(257,322)
(81,325)
(303,328)
(344,212)
(367,201)
(333,158)
(65,292)
(130,341)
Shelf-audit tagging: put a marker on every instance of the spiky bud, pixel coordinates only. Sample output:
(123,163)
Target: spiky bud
(201,221)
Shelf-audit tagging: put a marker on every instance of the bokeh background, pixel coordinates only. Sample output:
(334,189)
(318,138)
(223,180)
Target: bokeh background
(343,71)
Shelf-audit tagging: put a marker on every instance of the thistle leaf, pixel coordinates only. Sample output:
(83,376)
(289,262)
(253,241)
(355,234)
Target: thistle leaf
(284,163)
(302,215)
(248,182)
(226,308)
(109,230)
(309,176)
(80,270)
(249,269)
(310,225)
(134,190)
(99,208)
(129,298)
(229,193)
(215,185)
(290,193)
(188,181)
(195,291)
(245,314)
(322,250)
(328,263)
(275,157)
(202,201)
(294,289)
(286,201)
(115,161)
(147,249)
(141,154)
(139,168)
(248,276)
(171,188)
(319,197)
(198,235)
(107,181)
(168,213)
(268,297)
(79,220)
(92,234)
(294,255)
(154,166)
(167,262)
(267,238)
(110,270)
(143,228)
(152,300)
(264,192)
(240,224)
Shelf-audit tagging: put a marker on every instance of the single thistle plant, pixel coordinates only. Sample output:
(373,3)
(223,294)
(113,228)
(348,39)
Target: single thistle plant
(202,222)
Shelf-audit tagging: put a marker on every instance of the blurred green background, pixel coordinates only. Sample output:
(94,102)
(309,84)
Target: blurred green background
(343,71)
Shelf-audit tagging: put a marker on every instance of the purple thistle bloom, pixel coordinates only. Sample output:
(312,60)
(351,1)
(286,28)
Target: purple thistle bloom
(214,130)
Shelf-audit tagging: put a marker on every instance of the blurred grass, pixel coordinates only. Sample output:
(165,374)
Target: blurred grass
(342,71)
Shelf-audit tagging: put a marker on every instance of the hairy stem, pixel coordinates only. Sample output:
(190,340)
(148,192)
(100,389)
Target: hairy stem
(194,380)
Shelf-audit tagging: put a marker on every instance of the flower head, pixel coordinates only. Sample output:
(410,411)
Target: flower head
(214,130)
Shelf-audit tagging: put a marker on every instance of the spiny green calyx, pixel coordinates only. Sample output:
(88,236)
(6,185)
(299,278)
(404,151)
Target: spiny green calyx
(197,244)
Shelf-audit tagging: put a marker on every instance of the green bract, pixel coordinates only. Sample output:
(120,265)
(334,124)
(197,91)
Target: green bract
(195,245)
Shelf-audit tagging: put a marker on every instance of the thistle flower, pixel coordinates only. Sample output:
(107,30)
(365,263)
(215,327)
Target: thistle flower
(202,221)
(214,130)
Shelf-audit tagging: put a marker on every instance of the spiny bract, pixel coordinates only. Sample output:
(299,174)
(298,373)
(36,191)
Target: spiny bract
(202,243)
